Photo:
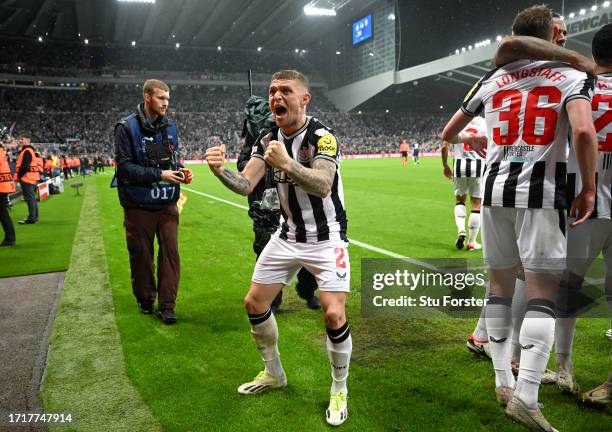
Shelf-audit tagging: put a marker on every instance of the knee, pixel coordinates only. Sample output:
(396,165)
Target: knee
(253,305)
(334,317)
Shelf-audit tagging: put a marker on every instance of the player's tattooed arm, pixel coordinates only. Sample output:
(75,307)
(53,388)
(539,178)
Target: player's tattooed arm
(235,182)
(317,180)
(513,48)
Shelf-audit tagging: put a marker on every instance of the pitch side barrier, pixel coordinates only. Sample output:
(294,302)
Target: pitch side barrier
(465,67)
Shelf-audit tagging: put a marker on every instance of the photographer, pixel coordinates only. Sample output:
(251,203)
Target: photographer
(266,221)
(148,177)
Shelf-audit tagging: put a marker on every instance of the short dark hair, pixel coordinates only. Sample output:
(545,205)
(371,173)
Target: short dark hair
(291,74)
(534,21)
(602,46)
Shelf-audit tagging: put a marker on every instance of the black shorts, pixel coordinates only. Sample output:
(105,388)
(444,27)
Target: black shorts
(404,154)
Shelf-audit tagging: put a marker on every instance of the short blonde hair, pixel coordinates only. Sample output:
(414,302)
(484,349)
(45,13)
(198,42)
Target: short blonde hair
(293,75)
(152,84)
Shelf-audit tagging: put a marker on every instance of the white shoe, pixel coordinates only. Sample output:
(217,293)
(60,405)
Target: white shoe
(549,376)
(460,240)
(337,412)
(474,246)
(262,382)
(478,347)
(504,395)
(530,417)
(609,334)
(567,382)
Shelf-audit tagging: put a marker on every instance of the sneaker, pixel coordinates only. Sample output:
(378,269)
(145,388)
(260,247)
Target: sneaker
(504,394)
(336,413)
(27,222)
(478,347)
(549,377)
(145,308)
(609,334)
(460,240)
(167,316)
(567,382)
(600,395)
(474,246)
(530,417)
(313,302)
(262,382)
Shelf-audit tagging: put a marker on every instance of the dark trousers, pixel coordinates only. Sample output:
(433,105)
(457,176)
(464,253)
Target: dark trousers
(29,196)
(5,218)
(141,227)
(67,173)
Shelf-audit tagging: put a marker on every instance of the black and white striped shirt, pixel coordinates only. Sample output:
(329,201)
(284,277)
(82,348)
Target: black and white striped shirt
(527,125)
(467,161)
(602,118)
(307,218)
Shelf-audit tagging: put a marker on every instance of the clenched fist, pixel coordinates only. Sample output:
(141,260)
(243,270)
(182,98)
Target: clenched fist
(276,156)
(215,157)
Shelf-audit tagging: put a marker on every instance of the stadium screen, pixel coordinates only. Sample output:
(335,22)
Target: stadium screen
(362,29)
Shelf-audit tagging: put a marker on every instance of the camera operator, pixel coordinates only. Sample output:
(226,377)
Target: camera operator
(7,186)
(266,221)
(148,177)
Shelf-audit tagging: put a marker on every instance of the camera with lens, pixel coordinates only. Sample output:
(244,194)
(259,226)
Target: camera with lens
(264,219)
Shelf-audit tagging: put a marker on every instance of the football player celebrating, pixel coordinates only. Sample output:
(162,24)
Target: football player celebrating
(528,107)
(300,156)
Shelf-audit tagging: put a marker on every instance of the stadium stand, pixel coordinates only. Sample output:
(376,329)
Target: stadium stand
(202,113)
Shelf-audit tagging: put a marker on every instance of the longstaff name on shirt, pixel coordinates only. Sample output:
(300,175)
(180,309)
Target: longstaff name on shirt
(545,72)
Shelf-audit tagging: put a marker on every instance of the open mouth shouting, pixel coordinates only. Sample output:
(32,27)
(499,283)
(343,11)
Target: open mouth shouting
(280,112)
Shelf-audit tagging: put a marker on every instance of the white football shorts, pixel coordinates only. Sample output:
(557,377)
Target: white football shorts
(533,237)
(468,185)
(328,261)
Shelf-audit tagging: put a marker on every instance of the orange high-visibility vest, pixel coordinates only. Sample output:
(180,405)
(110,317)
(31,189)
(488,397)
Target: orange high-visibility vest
(7,185)
(48,165)
(32,175)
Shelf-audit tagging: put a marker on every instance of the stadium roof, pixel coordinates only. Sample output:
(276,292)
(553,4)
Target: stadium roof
(279,24)
(443,82)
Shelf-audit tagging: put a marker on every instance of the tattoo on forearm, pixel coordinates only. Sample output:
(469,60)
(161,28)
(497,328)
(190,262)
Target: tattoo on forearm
(235,182)
(317,180)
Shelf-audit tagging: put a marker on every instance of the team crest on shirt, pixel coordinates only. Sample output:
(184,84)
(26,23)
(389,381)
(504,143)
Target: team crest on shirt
(304,153)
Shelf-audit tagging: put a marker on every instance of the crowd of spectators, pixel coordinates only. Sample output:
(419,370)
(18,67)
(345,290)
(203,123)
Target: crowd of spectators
(73,59)
(204,115)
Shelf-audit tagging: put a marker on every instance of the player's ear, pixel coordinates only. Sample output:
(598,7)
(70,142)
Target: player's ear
(306,98)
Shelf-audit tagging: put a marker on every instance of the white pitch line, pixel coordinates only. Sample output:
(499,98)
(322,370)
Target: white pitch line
(352,241)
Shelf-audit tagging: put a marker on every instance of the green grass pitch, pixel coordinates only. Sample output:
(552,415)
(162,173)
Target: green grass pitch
(406,374)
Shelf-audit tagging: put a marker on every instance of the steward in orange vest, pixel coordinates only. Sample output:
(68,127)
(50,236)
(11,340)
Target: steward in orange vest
(28,175)
(27,167)
(7,186)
